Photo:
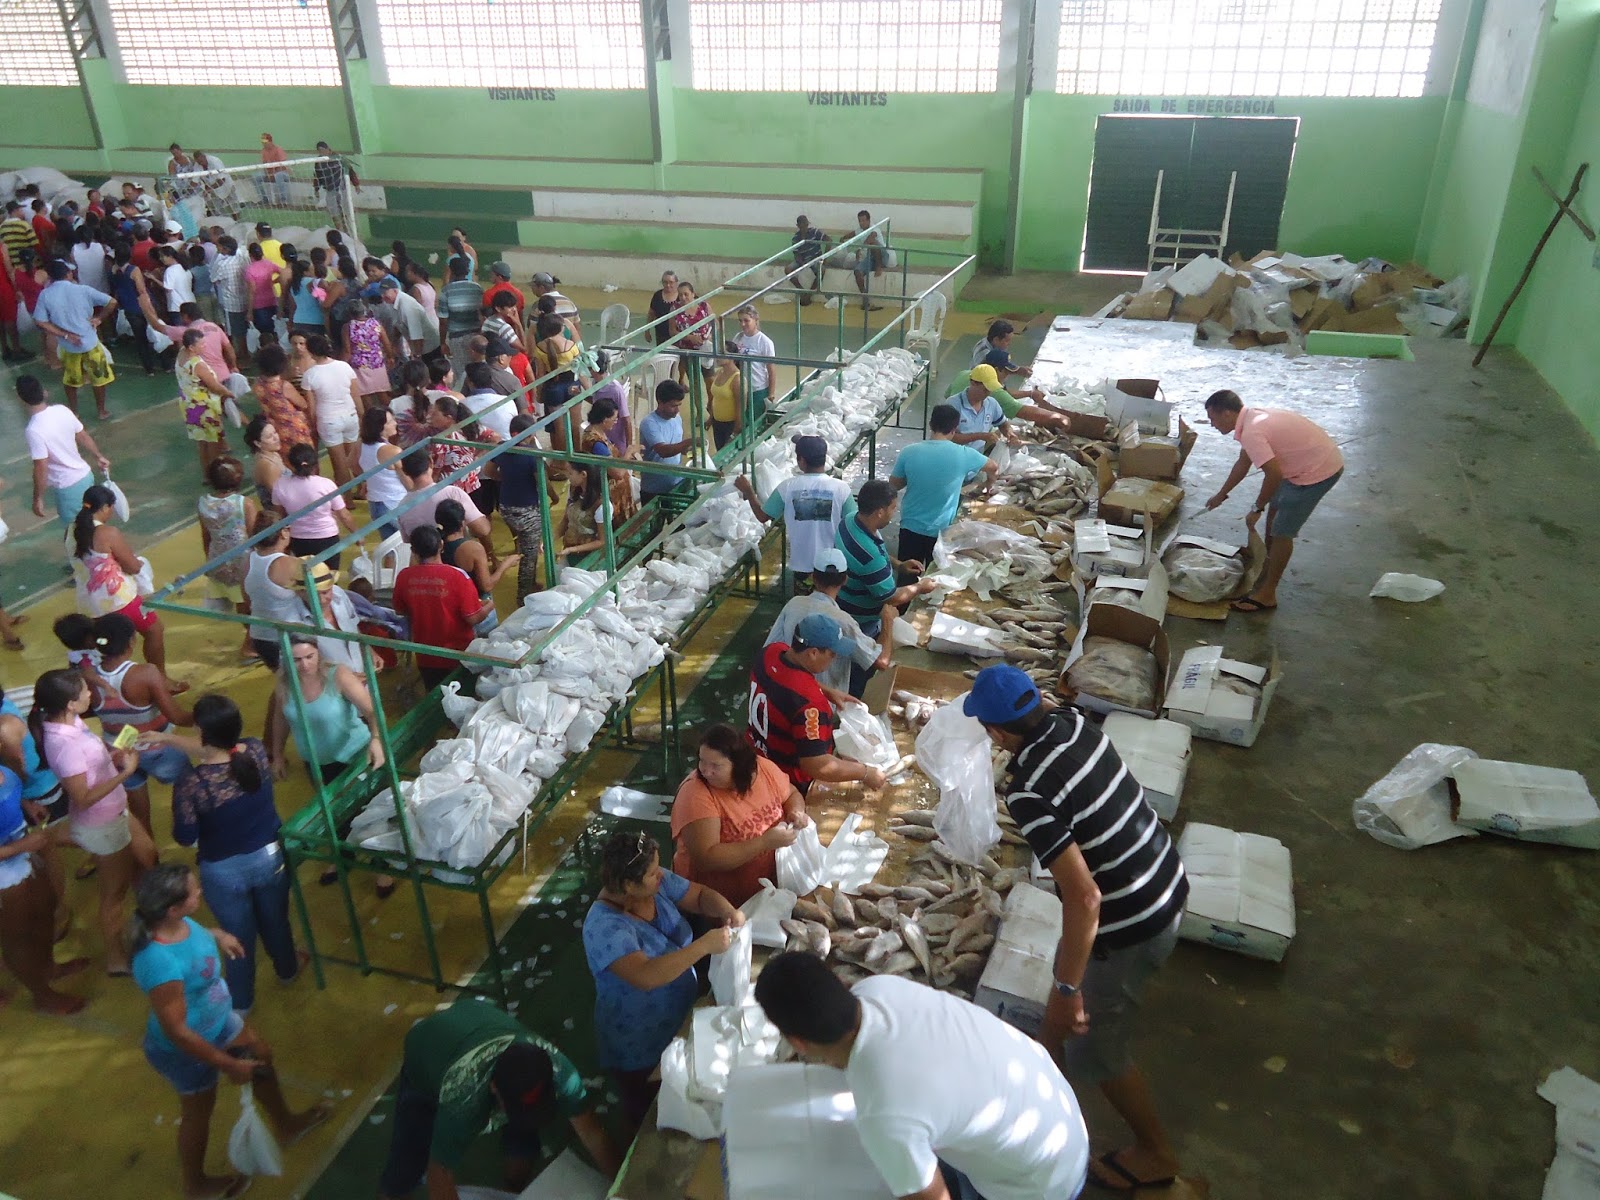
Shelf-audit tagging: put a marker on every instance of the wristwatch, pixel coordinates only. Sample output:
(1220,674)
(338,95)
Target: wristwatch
(1066,989)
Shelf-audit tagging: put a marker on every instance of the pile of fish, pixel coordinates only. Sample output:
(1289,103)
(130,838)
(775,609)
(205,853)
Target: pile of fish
(1048,479)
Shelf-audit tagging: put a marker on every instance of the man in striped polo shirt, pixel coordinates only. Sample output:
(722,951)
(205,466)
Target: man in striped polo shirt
(1122,890)
(870,594)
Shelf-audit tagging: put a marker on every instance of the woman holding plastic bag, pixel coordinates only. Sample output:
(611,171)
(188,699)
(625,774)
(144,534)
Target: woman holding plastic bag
(193,1033)
(106,572)
(643,958)
(732,815)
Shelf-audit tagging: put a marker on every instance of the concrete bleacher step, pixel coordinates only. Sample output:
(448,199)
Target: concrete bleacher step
(642,271)
(837,216)
(752,243)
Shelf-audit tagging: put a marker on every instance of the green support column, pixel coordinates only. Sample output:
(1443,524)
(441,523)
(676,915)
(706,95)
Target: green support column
(98,79)
(366,130)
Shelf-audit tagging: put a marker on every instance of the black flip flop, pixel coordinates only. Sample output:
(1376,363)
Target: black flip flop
(1131,1182)
(1249,604)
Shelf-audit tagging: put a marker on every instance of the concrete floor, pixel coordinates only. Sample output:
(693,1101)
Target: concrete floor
(1396,1049)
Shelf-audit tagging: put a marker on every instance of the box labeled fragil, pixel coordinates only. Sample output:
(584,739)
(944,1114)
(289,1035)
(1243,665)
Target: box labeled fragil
(1529,803)
(1213,695)
(1156,753)
(952,635)
(1123,625)
(1101,548)
(1129,501)
(1153,456)
(1241,891)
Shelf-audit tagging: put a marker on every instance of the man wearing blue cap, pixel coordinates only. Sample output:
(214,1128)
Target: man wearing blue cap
(1122,890)
(791,717)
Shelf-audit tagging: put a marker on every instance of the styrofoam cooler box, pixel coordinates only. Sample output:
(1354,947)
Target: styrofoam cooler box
(1156,753)
(1529,803)
(1020,974)
(791,1135)
(1241,891)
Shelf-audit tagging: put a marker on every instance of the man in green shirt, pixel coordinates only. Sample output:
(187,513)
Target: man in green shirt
(470,1068)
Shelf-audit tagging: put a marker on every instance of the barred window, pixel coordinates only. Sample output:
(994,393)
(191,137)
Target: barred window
(576,44)
(34,50)
(832,46)
(1246,47)
(182,42)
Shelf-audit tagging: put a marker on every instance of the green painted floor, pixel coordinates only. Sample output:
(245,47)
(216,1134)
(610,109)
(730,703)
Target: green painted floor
(550,988)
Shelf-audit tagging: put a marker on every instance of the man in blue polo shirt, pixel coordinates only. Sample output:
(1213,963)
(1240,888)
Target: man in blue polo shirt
(73,313)
(932,473)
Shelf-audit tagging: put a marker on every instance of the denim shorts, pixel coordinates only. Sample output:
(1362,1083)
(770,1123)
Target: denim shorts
(166,763)
(190,1076)
(1113,986)
(1293,502)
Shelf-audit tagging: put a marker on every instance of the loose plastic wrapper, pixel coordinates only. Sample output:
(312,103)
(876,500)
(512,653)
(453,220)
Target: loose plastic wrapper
(674,1108)
(730,970)
(854,856)
(764,910)
(801,864)
(1202,576)
(1413,589)
(866,738)
(252,1150)
(954,751)
(1117,672)
(1410,806)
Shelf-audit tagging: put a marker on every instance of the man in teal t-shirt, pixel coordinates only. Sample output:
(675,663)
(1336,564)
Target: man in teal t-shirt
(932,474)
(470,1068)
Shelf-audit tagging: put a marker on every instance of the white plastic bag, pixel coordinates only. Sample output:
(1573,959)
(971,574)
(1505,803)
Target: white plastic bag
(865,737)
(145,580)
(674,1109)
(252,1150)
(458,709)
(730,970)
(119,498)
(230,410)
(800,865)
(5,530)
(1410,806)
(1413,589)
(764,910)
(954,751)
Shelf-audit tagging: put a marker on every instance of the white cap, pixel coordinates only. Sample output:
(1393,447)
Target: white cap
(831,559)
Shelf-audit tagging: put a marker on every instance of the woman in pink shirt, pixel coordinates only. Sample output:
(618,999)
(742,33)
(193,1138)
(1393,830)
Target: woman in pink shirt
(92,776)
(261,277)
(299,486)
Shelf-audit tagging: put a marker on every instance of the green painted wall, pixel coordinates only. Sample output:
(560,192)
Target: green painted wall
(46,117)
(1357,187)
(1560,309)
(464,124)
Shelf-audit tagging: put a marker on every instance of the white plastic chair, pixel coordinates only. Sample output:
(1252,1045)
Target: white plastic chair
(929,326)
(662,367)
(393,556)
(615,320)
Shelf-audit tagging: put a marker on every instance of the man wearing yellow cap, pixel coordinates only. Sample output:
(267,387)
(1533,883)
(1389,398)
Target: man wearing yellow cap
(987,409)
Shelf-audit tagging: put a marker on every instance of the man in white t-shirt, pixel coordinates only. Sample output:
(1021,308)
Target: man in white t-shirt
(416,472)
(812,504)
(951,1103)
(487,401)
(54,435)
(414,319)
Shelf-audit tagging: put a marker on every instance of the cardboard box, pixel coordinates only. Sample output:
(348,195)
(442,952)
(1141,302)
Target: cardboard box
(1254,553)
(1323,310)
(1150,306)
(1157,754)
(1213,304)
(1128,502)
(1137,400)
(1529,803)
(1125,625)
(880,686)
(1101,548)
(791,1135)
(1151,586)
(1382,319)
(1194,699)
(1241,891)
(1154,456)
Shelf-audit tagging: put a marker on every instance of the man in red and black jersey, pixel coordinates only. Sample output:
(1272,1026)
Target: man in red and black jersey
(791,720)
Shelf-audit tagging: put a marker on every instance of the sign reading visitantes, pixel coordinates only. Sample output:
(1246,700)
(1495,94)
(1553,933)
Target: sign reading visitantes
(521,93)
(848,99)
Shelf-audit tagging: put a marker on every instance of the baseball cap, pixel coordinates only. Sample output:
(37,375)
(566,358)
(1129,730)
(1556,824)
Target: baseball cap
(830,561)
(985,374)
(819,632)
(544,278)
(173,227)
(524,1080)
(502,269)
(997,359)
(999,694)
(810,448)
(263,228)
(496,348)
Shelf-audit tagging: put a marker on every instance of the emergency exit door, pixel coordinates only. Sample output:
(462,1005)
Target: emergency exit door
(1197,155)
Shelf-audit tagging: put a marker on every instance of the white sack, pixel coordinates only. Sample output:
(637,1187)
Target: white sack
(954,751)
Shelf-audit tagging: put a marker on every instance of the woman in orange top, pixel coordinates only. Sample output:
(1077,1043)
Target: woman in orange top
(731,815)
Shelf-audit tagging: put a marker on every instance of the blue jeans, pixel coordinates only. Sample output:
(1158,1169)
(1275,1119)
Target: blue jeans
(378,510)
(166,763)
(249,894)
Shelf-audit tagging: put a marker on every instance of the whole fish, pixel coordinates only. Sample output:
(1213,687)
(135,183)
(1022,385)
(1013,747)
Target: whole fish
(914,816)
(810,910)
(914,833)
(888,912)
(843,910)
(899,963)
(817,934)
(917,942)
(885,944)
(876,891)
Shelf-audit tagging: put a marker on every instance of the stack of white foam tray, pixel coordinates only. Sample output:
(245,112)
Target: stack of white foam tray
(1241,891)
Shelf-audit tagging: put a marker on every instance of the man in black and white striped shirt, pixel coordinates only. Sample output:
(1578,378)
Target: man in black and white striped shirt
(1122,891)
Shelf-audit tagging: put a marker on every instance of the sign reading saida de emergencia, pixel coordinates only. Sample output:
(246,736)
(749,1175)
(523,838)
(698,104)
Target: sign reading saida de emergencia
(1198,106)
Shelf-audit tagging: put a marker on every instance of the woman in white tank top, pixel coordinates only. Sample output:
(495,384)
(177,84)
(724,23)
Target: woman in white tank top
(384,490)
(269,587)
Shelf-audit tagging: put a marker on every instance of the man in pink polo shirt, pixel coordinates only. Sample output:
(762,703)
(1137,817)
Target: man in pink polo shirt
(1299,465)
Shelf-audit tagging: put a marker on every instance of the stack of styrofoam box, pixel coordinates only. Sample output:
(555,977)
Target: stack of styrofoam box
(1156,753)
(1241,891)
(1020,973)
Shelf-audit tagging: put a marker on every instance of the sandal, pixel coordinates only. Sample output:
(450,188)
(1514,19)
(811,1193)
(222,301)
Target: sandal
(1249,604)
(1126,1180)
